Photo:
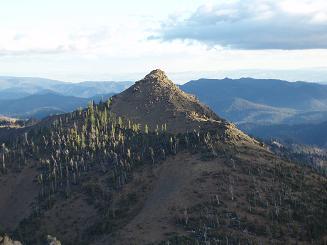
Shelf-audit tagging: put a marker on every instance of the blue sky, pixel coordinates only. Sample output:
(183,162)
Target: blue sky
(79,40)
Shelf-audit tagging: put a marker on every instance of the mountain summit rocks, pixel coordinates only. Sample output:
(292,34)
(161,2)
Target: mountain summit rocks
(157,75)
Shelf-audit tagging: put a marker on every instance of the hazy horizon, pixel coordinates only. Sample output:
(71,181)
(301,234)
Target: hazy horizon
(184,77)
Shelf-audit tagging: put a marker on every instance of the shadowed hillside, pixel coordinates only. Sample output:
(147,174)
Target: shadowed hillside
(310,134)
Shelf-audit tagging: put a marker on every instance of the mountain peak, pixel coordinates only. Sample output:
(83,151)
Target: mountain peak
(157,74)
(154,86)
(156,100)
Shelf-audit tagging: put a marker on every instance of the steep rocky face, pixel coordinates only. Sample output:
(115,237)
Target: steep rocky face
(156,100)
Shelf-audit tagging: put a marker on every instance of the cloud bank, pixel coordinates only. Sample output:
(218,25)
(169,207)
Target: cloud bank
(253,25)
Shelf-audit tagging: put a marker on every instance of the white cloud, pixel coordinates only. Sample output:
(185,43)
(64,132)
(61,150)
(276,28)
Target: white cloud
(34,42)
(254,24)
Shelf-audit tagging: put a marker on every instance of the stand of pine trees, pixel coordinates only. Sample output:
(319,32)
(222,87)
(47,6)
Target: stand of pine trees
(95,137)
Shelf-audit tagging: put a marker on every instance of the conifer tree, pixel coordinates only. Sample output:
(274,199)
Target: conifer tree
(3,148)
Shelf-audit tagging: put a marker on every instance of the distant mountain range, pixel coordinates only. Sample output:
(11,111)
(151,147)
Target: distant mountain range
(263,101)
(42,105)
(19,87)
(268,108)
(29,97)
